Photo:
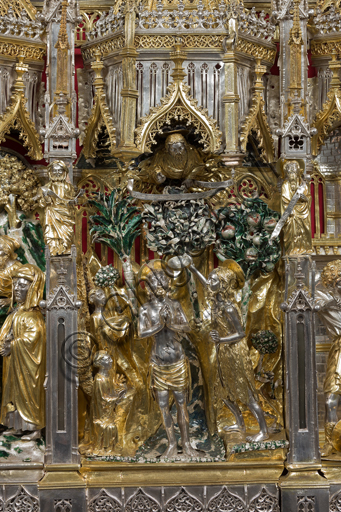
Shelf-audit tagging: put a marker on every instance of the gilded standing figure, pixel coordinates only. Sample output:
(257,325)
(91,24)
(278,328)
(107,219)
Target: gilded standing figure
(297,229)
(22,345)
(233,355)
(58,199)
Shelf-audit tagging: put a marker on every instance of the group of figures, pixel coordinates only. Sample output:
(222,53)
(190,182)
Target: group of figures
(142,336)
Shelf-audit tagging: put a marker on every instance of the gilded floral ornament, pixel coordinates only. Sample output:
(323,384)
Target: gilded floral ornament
(256,119)
(177,106)
(100,115)
(16,116)
(330,116)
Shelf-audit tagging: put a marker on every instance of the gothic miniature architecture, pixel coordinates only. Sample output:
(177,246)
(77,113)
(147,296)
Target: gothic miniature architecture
(170,256)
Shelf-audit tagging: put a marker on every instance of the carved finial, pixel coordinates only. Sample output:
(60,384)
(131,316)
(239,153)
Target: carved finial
(178,56)
(97,66)
(20,68)
(334,66)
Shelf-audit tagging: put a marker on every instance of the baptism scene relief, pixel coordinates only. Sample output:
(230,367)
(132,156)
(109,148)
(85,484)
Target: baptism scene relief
(170,256)
(178,340)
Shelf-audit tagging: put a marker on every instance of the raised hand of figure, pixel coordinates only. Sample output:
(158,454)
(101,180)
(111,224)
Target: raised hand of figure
(5,349)
(4,302)
(214,335)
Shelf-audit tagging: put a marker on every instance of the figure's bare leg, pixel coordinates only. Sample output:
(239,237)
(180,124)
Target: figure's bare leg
(258,413)
(331,404)
(239,426)
(162,398)
(183,421)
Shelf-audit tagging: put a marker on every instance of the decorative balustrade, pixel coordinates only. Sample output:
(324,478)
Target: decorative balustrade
(256,25)
(108,23)
(21,26)
(328,22)
(180,19)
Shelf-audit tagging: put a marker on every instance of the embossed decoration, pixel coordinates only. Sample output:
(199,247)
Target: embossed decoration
(178,107)
(103,502)
(264,502)
(141,502)
(335,503)
(22,502)
(226,501)
(183,502)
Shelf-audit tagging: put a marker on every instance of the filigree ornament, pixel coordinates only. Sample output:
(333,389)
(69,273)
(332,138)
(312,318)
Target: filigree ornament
(107,46)
(18,6)
(264,502)
(141,501)
(226,501)
(335,503)
(100,115)
(103,502)
(22,501)
(177,106)
(16,116)
(183,502)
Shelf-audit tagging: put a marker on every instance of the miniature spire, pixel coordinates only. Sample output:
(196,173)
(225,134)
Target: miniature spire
(62,47)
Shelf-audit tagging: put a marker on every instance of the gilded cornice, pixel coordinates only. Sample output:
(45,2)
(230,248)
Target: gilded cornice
(256,119)
(179,106)
(100,115)
(13,47)
(105,47)
(190,41)
(17,117)
(325,48)
(330,116)
(256,50)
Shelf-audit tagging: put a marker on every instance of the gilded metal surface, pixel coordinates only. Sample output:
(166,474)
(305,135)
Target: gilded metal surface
(22,344)
(17,116)
(56,199)
(297,230)
(113,44)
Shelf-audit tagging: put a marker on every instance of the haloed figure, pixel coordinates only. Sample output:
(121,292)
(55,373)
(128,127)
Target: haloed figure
(164,319)
(234,362)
